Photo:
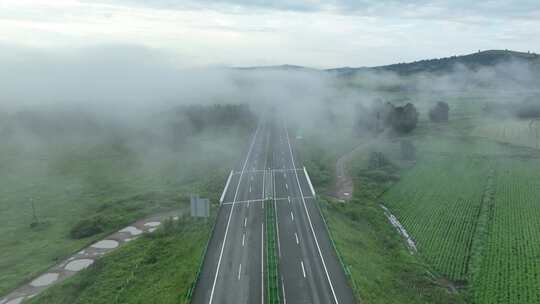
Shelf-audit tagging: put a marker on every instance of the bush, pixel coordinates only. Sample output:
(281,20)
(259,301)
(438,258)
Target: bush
(440,112)
(380,176)
(528,110)
(87,227)
(404,119)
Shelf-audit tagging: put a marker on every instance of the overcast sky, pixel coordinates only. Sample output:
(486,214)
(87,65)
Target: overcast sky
(244,33)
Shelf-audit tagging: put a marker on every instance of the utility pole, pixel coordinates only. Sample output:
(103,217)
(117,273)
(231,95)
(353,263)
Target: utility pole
(534,124)
(34,216)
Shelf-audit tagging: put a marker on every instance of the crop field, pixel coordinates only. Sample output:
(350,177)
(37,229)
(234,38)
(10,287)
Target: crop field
(522,133)
(438,203)
(471,205)
(509,271)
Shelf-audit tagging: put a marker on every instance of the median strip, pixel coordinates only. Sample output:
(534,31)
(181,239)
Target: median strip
(273,290)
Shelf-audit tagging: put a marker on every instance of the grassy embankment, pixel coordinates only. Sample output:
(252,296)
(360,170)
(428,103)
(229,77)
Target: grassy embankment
(156,268)
(85,187)
(88,190)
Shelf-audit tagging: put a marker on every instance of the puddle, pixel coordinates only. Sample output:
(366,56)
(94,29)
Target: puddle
(152,224)
(79,265)
(105,244)
(44,280)
(131,230)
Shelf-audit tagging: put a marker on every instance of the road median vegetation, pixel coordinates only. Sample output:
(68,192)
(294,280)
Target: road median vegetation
(272,282)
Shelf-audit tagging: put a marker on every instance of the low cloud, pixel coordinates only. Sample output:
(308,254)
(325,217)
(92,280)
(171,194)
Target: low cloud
(416,8)
(126,79)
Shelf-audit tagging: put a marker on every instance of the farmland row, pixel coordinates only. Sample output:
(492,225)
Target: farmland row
(510,272)
(438,202)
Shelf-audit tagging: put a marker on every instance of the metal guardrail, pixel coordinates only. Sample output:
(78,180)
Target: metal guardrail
(189,293)
(346,268)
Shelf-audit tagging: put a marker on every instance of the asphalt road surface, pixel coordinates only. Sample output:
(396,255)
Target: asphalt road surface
(233,270)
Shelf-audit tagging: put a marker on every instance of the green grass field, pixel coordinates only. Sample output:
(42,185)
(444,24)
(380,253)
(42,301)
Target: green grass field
(73,182)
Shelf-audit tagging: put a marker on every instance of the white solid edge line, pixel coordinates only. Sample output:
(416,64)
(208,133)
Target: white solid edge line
(230,215)
(277,223)
(262,263)
(309,219)
(264,174)
(283,290)
(226,187)
(309,182)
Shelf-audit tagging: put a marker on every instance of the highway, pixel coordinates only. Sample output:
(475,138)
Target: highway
(233,270)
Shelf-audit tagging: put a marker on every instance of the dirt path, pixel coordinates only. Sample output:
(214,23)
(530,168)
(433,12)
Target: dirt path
(344,186)
(86,257)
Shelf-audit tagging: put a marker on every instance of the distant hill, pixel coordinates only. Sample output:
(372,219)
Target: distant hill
(284,67)
(440,65)
(443,65)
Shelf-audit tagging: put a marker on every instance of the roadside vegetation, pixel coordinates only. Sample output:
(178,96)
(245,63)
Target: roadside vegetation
(70,179)
(156,268)
(381,268)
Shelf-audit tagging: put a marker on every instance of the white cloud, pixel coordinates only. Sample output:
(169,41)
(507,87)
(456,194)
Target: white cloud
(237,32)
